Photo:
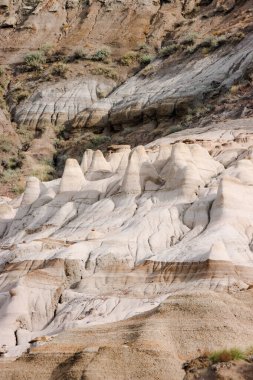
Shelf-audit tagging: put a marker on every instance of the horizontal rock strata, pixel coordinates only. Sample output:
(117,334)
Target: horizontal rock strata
(118,234)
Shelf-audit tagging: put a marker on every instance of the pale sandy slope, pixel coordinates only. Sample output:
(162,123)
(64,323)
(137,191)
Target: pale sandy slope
(151,346)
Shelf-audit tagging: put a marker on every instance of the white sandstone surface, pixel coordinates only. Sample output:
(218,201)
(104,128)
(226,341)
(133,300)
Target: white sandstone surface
(119,233)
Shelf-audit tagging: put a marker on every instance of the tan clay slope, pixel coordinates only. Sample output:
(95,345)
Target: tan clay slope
(151,346)
(122,25)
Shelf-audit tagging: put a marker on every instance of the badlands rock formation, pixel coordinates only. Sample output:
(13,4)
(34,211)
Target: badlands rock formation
(61,102)
(138,99)
(171,90)
(119,234)
(130,248)
(77,75)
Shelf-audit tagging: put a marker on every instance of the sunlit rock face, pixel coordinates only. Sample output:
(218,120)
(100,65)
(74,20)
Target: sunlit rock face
(58,103)
(119,233)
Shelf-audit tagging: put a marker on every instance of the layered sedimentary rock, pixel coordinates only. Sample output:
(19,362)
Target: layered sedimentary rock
(111,72)
(118,234)
(71,24)
(172,90)
(61,102)
(142,254)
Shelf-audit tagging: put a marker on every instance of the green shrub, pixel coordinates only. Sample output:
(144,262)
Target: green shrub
(221,40)
(213,43)
(1,71)
(19,93)
(145,59)
(209,42)
(57,56)
(6,145)
(45,49)
(189,39)
(34,61)
(9,176)
(249,351)
(227,355)
(13,163)
(79,54)
(99,140)
(22,95)
(128,59)
(148,71)
(168,50)
(25,135)
(18,189)
(237,37)
(143,48)
(107,72)
(190,49)
(44,171)
(60,69)
(101,55)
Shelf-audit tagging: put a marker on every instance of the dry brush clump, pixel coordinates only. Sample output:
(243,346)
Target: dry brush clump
(78,54)
(107,72)
(166,51)
(60,69)
(192,43)
(148,71)
(145,59)
(227,355)
(6,144)
(98,140)
(129,58)
(101,55)
(34,61)
(215,41)
(189,39)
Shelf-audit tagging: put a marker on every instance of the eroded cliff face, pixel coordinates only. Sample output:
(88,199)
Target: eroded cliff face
(130,233)
(79,75)
(127,130)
